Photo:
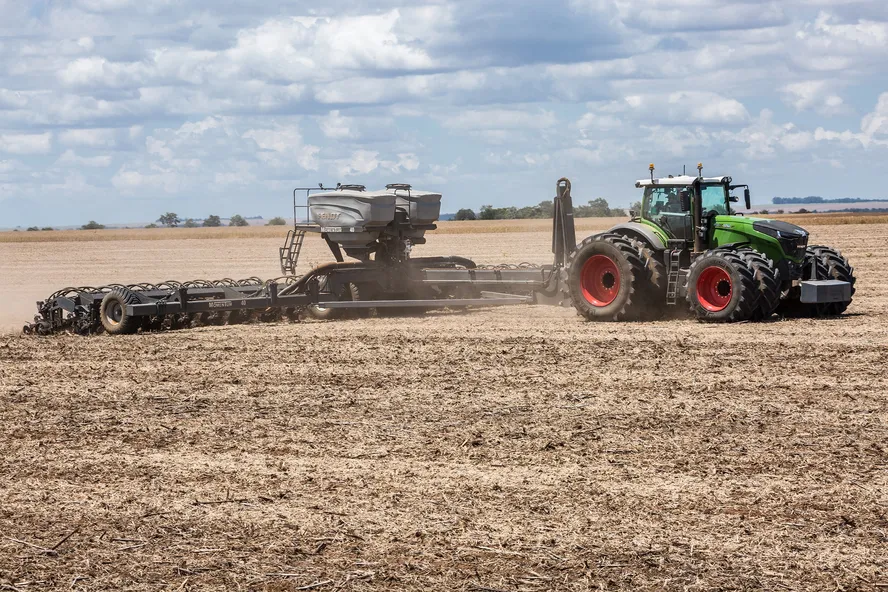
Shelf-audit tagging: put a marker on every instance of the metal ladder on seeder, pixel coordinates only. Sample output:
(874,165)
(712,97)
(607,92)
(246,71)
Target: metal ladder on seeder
(289,253)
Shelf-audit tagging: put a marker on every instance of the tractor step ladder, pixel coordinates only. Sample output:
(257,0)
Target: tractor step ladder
(673,260)
(290,251)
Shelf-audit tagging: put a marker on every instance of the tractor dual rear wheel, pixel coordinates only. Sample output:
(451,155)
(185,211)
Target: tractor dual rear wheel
(605,275)
(722,287)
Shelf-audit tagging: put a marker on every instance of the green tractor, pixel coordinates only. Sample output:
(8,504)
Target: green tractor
(688,245)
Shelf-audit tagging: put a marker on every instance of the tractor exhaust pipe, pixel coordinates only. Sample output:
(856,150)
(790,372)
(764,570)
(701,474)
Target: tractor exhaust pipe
(699,231)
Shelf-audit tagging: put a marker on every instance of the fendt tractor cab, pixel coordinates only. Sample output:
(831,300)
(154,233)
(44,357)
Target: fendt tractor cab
(689,244)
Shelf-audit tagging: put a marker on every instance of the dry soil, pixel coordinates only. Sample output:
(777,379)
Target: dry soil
(498,450)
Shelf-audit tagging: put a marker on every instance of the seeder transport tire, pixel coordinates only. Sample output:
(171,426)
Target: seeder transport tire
(329,314)
(604,274)
(113,312)
(722,287)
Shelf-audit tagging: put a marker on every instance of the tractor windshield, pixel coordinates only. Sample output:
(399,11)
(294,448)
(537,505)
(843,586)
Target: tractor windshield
(715,199)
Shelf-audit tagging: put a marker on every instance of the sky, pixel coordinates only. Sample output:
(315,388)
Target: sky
(120,110)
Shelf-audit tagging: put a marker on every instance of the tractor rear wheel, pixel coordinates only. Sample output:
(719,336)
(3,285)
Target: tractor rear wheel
(604,274)
(113,312)
(722,287)
(651,293)
(765,275)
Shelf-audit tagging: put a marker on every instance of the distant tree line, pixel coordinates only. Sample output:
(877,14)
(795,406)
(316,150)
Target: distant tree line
(172,220)
(816,199)
(595,208)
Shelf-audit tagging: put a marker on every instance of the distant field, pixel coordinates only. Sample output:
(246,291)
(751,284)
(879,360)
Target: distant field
(448,227)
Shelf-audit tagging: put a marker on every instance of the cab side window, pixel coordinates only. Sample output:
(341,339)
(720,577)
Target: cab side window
(662,200)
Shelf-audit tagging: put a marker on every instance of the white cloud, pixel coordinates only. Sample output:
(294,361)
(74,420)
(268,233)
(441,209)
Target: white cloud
(69,157)
(336,126)
(26,143)
(105,5)
(98,137)
(763,137)
(694,15)
(876,123)
(408,161)
(815,95)
(873,129)
(500,119)
(598,122)
(158,148)
(7,166)
(283,145)
(12,100)
(236,173)
(74,183)
(685,107)
(129,181)
(97,71)
(361,162)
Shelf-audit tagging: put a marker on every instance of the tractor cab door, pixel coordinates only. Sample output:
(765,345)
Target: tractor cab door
(664,208)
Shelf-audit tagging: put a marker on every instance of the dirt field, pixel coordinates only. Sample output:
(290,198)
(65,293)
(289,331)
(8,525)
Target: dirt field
(513,449)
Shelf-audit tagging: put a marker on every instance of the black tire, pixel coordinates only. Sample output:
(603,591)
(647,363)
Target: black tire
(765,275)
(113,312)
(837,268)
(348,292)
(365,291)
(603,276)
(722,287)
(821,263)
(651,293)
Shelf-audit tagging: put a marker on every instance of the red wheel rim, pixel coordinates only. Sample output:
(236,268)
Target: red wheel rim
(714,289)
(600,280)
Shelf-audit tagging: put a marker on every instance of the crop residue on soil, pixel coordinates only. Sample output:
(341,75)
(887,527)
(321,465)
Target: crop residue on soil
(504,449)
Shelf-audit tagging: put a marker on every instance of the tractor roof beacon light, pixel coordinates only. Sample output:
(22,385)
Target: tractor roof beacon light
(699,169)
(651,169)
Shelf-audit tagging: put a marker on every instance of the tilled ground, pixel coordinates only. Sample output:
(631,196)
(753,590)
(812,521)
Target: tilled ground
(507,449)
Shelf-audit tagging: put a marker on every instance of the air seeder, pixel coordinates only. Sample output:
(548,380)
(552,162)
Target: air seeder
(685,246)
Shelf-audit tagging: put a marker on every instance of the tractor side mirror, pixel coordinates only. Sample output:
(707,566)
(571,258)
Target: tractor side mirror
(685,198)
(746,197)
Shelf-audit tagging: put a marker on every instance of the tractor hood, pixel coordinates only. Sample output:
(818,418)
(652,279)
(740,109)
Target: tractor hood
(793,239)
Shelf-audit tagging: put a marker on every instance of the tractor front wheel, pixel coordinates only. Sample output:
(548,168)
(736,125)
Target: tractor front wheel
(604,274)
(765,275)
(821,263)
(722,288)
